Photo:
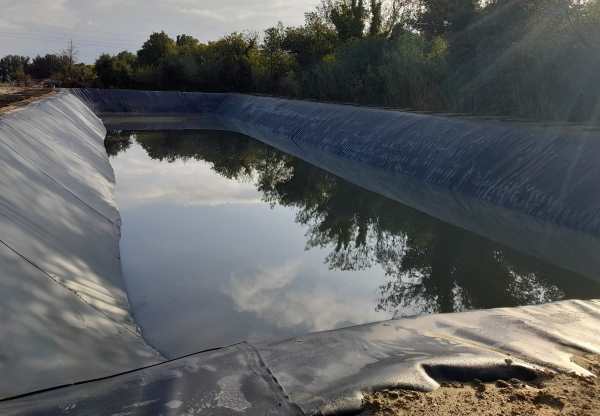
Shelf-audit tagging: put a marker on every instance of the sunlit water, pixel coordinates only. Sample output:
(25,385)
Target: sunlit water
(225,239)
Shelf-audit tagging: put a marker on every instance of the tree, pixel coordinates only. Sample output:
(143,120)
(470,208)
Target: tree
(187,45)
(400,16)
(348,17)
(272,65)
(274,39)
(534,59)
(105,70)
(527,59)
(186,41)
(180,71)
(440,17)
(82,75)
(47,66)
(312,41)
(117,71)
(13,67)
(376,25)
(227,64)
(156,48)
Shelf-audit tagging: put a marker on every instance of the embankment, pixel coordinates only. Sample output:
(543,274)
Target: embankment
(65,311)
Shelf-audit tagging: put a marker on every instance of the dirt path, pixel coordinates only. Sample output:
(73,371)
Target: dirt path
(560,394)
(12,98)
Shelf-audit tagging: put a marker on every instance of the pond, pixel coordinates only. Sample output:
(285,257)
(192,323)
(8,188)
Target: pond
(225,239)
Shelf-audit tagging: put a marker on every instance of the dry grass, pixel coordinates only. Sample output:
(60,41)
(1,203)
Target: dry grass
(12,98)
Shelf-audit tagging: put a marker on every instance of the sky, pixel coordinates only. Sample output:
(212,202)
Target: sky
(31,27)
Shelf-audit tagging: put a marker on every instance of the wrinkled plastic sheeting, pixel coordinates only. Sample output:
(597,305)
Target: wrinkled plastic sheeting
(547,172)
(329,372)
(550,173)
(66,313)
(149,102)
(64,141)
(51,337)
(223,382)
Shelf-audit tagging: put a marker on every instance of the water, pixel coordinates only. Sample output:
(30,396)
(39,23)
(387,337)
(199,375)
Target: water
(226,239)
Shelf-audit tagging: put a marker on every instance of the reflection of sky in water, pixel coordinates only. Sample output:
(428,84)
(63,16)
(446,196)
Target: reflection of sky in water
(207,263)
(143,181)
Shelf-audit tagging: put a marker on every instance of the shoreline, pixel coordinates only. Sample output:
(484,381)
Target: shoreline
(558,393)
(14,98)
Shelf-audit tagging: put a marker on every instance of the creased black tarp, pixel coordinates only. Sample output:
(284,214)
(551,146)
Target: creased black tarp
(65,313)
(329,372)
(228,381)
(325,372)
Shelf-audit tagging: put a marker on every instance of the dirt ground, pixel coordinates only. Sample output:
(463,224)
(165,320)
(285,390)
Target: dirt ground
(558,394)
(12,98)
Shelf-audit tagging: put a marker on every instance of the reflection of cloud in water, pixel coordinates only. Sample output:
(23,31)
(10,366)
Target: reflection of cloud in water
(279,296)
(195,183)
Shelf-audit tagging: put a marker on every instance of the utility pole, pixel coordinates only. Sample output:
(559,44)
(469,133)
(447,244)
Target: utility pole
(71,54)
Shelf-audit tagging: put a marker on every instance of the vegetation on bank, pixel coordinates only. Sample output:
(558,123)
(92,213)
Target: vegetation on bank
(60,69)
(535,59)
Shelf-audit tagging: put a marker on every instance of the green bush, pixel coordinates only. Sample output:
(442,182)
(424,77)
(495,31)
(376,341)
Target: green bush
(537,59)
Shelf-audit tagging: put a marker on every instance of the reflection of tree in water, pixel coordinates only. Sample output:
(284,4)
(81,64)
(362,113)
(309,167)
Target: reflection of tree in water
(116,143)
(431,266)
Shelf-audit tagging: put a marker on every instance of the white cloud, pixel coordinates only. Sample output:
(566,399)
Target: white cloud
(5,24)
(196,183)
(38,13)
(285,296)
(204,13)
(32,27)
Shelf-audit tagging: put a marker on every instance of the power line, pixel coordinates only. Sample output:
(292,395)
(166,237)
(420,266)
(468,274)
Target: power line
(65,37)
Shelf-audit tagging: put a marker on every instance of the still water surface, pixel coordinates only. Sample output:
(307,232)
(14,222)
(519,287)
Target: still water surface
(226,239)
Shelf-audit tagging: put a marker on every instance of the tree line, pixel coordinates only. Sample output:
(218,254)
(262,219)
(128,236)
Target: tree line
(62,68)
(537,59)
